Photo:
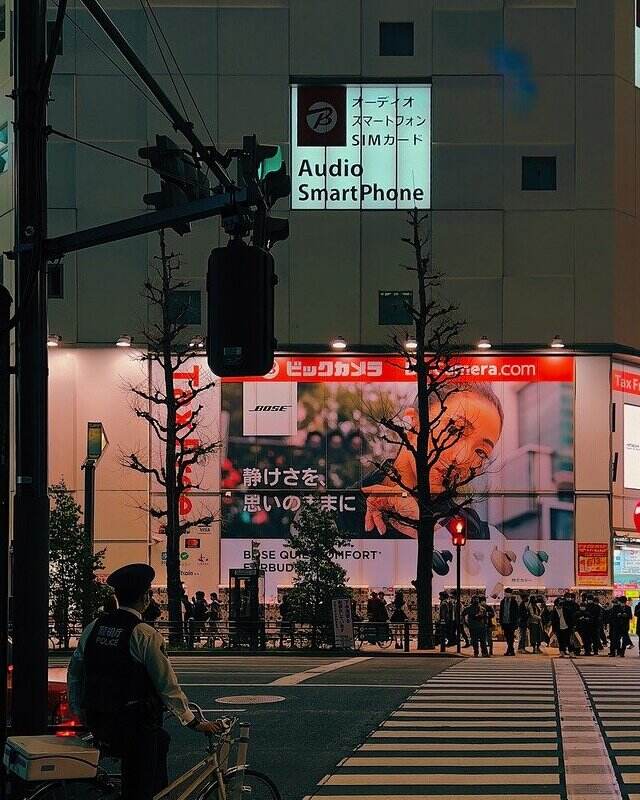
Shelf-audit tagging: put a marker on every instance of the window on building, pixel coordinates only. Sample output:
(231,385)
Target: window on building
(55,280)
(4,147)
(539,174)
(50,29)
(396,38)
(394,308)
(185,307)
(3,20)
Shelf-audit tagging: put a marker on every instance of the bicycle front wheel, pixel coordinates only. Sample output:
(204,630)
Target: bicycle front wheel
(255,786)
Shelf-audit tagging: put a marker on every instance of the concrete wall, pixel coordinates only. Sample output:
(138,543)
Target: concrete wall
(523,266)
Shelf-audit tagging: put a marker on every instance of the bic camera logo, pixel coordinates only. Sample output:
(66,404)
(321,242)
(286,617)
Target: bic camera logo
(263,409)
(322,117)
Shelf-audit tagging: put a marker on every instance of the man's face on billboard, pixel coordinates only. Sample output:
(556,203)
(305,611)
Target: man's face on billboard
(474,429)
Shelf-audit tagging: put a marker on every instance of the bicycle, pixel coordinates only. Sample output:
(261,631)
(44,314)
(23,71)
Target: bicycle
(373,633)
(210,779)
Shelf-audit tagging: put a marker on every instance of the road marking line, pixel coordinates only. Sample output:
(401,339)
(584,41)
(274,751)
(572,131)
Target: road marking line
(446,779)
(413,796)
(477,724)
(299,677)
(462,747)
(437,735)
(455,761)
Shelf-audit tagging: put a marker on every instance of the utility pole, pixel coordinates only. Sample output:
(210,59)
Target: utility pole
(31,510)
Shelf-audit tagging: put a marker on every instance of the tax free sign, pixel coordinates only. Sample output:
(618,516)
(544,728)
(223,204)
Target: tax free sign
(361,146)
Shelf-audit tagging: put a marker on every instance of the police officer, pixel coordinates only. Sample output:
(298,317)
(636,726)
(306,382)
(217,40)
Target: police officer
(120,680)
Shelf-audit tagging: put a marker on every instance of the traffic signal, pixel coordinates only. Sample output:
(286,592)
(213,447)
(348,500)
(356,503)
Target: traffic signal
(457,527)
(181,180)
(240,288)
(262,165)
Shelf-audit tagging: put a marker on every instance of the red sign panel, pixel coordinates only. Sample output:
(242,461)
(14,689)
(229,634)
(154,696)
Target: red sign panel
(593,562)
(390,369)
(623,381)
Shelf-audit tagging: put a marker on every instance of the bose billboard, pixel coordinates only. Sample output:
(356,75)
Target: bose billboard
(361,146)
(307,429)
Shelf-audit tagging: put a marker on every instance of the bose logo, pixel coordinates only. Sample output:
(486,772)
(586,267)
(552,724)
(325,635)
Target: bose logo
(270,408)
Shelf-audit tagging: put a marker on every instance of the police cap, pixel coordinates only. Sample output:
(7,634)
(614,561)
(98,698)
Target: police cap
(132,579)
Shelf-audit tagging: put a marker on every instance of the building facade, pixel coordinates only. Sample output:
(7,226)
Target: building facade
(513,123)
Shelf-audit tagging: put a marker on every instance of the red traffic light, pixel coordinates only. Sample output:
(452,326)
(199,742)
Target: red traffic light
(457,527)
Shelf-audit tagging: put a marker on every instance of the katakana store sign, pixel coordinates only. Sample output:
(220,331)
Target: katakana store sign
(361,146)
(308,429)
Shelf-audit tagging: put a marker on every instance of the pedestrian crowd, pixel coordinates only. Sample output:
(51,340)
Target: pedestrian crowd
(584,626)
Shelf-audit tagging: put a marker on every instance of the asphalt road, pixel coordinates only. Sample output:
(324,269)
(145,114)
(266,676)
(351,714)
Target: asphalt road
(330,706)
(321,719)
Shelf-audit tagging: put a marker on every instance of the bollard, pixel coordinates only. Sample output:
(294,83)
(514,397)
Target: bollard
(407,631)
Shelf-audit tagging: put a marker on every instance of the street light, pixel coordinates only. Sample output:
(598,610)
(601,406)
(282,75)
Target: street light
(458,528)
(338,343)
(410,344)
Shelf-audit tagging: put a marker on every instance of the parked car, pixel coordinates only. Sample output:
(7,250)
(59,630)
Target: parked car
(61,720)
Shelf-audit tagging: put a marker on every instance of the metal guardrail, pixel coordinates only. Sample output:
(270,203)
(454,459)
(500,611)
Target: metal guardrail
(207,636)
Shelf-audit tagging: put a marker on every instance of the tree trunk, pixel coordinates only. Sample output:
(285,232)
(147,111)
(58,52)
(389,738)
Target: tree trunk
(172,491)
(424,584)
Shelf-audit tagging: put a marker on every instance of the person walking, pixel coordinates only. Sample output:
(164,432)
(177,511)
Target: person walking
(626,638)
(534,623)
(153,611)
(508,619)
(583,629)
(523,622)
(475,615)
(619,619)
(560,626)
(604,607)
(595,613)
(491,618)
(398,613)
(445,614)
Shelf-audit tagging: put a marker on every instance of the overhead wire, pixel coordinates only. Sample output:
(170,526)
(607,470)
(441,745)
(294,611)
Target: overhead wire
(162,55)
(109,58)
(115,154)
(177,65)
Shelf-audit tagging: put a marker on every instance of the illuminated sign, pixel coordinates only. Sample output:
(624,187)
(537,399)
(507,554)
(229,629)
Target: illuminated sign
(631,446)
(361,146)
(637,45)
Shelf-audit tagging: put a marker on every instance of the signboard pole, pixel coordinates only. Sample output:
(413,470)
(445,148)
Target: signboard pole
(458,645)
(96,443)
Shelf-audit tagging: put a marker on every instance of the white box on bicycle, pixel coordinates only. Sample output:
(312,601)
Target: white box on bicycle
(44,758)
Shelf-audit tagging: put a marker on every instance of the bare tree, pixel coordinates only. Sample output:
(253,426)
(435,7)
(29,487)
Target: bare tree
(430,479)
(174,415)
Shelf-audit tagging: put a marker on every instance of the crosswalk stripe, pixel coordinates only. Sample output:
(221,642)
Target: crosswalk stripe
(453,740)
(532,707)
(474,724)
(422,734)
(413,796)
(457,761)
(464,713)
(447,779)
(434,747)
